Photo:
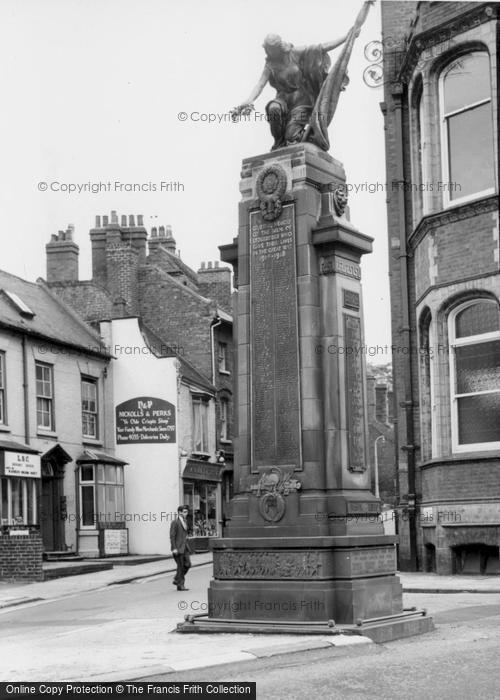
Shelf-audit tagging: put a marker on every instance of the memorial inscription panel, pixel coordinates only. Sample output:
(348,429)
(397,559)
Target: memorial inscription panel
(366,562)
(354,393)
(274,351)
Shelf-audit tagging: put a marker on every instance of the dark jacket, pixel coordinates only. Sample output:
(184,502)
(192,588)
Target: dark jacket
(178,537)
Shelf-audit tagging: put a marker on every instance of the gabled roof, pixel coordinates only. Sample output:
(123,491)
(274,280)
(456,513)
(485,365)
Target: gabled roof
(177,264)
(52,319)
(160,348)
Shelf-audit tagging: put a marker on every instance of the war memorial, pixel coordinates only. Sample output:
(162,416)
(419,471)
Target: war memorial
(304,549)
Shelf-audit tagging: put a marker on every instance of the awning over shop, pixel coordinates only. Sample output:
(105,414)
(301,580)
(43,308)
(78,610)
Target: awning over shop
(94,457)
(202,471)
(17,447)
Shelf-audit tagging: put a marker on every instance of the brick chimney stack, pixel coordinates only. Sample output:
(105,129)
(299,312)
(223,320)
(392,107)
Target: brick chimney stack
(62,257)
(214,282)
(163,237)
(109,231)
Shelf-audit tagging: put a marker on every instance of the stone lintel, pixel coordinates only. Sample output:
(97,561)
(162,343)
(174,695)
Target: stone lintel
(342,234)
(229,252)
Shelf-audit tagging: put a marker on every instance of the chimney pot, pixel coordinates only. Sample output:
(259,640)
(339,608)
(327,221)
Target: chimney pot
(154,232)
(203,265)
(124,220)
(216,263)
(209,264)
(161,231)
(131,220)
(98,221)
(168,230)
(104,220)
(140,220)
(114,217)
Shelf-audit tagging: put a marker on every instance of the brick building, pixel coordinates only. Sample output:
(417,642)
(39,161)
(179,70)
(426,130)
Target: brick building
(440,63)
(136,275)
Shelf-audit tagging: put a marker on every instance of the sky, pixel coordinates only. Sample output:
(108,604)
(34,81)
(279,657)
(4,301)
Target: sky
(92,92)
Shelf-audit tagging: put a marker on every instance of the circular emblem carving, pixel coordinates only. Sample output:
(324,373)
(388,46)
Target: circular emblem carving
(272,507)
(271,186)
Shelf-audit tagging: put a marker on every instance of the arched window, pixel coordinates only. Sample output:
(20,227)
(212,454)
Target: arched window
(475,375)
(467,128)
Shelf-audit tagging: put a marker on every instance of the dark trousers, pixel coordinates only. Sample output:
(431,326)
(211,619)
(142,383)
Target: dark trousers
(183,562)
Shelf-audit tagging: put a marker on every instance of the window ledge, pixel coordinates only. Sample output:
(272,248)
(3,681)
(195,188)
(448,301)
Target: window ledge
(205,456)
(46,434)
(225,371)
(225,442)
(4,428)
(461,457)
(91,441)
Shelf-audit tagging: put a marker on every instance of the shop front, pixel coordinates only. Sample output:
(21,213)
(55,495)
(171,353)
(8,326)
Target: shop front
(20,539)
(202,494)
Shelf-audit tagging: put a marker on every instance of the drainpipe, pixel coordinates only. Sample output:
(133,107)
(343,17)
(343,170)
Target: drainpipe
(26,393)
(405,330)
(215,323)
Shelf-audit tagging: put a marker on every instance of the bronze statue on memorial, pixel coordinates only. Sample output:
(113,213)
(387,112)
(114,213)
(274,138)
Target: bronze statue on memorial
(307,91)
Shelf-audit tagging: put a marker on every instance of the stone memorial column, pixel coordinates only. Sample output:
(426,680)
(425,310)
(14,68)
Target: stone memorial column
(304,543)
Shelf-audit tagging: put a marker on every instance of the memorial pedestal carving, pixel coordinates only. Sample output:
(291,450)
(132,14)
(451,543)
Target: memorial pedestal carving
(304,542)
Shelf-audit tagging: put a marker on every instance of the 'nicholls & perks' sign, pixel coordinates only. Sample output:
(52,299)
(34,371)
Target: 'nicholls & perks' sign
(145,419)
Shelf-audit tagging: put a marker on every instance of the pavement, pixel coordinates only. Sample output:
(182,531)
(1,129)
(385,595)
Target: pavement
(222,648)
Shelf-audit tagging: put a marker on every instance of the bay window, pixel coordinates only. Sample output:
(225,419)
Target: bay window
(101,494)
(474,330)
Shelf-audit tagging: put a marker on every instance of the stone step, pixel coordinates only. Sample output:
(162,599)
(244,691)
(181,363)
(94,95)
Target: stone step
(62,556)
(58,570)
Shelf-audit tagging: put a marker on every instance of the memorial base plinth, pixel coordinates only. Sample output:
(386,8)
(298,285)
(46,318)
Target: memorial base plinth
(384,629)
(301,584)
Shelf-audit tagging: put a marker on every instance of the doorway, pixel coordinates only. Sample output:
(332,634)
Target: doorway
(52,500)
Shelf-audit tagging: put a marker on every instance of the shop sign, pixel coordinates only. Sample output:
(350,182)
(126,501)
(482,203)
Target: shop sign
(21,464)
(145,420)
(204,471)
(114,542)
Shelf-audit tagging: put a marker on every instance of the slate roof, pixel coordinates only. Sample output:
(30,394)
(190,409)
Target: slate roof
(53,320)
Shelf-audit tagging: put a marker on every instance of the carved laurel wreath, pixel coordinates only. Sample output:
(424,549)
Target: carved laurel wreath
(271,187)
(270,489)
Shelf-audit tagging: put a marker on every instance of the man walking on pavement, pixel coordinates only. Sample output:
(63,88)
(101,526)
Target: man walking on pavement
(180,546)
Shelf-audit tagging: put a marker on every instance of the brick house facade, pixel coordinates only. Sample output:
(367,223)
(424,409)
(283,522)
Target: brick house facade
(54,406)
(189,312)
(441,127)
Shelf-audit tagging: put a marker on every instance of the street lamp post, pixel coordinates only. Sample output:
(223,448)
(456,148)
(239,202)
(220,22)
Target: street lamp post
(382,439)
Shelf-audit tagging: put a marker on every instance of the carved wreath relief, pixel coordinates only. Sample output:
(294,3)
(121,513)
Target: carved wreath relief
(275,485)
(271,187)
